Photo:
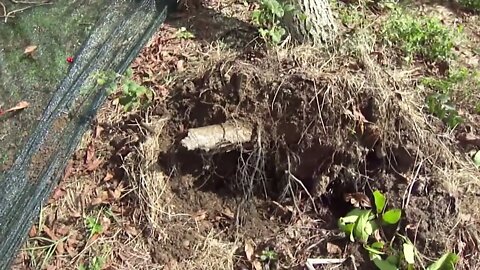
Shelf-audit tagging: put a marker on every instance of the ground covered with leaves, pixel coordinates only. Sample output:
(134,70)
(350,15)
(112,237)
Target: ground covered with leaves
(392,106)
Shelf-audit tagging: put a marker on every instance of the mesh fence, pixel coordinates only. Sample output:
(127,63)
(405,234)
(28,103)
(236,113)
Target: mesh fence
(113,42)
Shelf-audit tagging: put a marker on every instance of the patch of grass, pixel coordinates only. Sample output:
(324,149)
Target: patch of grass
(458,87)
(420,36)
(42,249)
(93,226)
(183,33)
(472,5)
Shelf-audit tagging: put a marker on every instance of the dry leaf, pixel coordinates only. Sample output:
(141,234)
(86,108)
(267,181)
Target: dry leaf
(180,67)
(60,249)
(58,193)
(98,131)
(108,177)
(21,105)
(249,249)
(333,249)
(93,165)
(50,233)
(200,215)
(89,153)
(75,214)
(469,138)
(32,232)
(357,199)
(257,265)
(64,230)
(96,201)
(130,230)
(228,213)
(68,170)
(71,251)
(29,50)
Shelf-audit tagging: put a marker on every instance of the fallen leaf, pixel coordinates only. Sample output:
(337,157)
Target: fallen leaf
(200,215)
(98,131)
(89,153)
(96,201)
(93,165)
(180,67)
(68,170)
(32,232)
(130,230)
(357,199)
(71,251)
(50,233)
(29,50)
(75,214)
(228,213)
(58,193)
(106,222)
(21,105)
(60,249)
(469,138)
(64,230)
(249,249)
(108,177)
(257,265)
(333,249)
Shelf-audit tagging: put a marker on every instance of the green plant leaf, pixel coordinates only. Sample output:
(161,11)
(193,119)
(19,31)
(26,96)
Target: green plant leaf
(409,253)
(384,265)
(363,228)
(392,259)
(392,216)
(476,159)
(379,201)
(374,249)
(446,262)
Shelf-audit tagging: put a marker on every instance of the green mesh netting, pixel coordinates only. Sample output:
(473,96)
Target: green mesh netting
(36,143)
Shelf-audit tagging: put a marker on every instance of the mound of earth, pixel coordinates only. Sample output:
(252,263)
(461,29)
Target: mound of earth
(317,135)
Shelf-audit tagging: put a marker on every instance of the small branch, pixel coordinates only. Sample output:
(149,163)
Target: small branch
(11,14)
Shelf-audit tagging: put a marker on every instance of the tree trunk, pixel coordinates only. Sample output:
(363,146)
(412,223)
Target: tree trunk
(312,23)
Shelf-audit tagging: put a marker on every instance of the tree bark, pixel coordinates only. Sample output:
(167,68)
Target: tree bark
(313,22)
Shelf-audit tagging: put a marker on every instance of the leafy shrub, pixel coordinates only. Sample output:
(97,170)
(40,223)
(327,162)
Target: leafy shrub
(426,37)
(268,17)
(449,91)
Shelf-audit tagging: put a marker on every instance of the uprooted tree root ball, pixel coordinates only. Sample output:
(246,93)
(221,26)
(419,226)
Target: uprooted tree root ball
(321,127)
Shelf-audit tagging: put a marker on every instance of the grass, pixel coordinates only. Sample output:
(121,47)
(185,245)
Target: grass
(472,5)
(420,36)
(459,87)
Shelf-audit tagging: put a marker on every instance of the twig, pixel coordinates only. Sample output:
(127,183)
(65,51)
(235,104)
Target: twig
(408,191)
(4,9)
(11,14)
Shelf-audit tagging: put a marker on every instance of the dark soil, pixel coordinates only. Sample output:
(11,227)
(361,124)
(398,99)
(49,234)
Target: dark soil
(316,144)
